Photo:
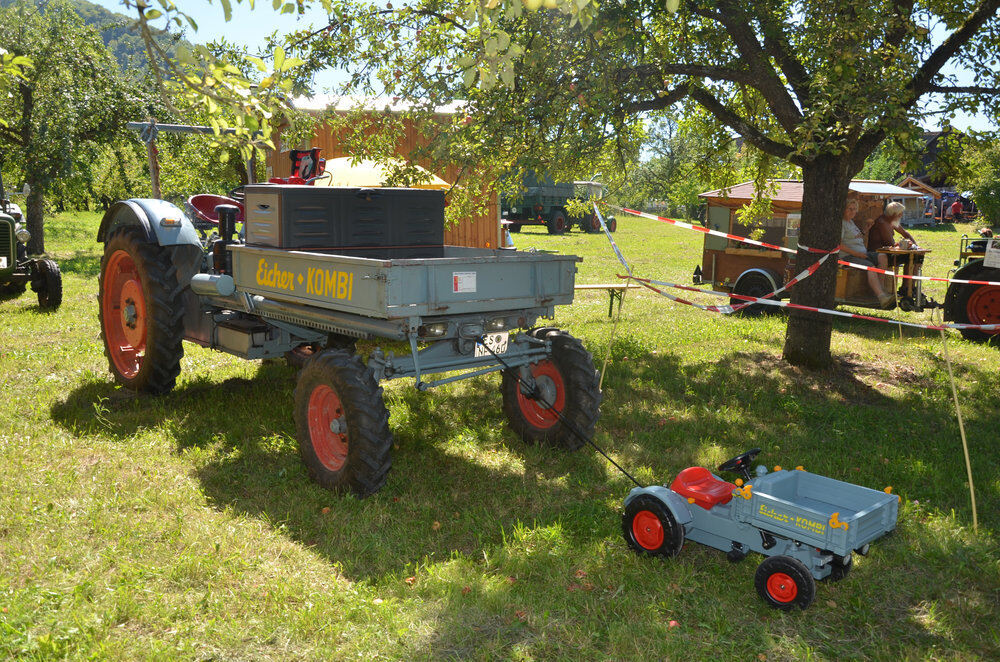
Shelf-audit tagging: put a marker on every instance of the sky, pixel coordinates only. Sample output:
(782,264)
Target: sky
(251,27)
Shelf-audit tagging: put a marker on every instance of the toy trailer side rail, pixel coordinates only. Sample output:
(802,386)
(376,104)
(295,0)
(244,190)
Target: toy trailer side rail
(817,510)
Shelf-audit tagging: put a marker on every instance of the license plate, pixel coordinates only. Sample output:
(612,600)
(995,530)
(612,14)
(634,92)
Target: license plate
(495,341)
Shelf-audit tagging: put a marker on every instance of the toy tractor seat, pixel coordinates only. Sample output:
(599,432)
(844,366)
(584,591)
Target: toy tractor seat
(202,207)
(699,484)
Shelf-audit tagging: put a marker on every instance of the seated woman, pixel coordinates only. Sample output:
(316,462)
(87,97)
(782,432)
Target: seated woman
(852,249)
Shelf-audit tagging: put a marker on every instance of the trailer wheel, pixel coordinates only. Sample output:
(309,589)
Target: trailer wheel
(650,528)
(568,383)
(139,305)
(612,224)
(753,284)
(840,567)
(978,304)
(298,357)
(48,285)
(557,223)
(342,424)
(590,223)
(784,582)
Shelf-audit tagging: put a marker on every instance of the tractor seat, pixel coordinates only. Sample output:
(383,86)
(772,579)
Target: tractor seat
(202,207)
(699,484)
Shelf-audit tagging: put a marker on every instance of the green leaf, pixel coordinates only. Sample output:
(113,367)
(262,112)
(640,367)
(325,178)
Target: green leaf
(227,9)
(152,14)
(279,58)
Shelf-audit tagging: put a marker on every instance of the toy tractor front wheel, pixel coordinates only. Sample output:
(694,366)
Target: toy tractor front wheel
(566,383)
(784,582)
(650,528)
(48,284)
(139,305)
(342,424)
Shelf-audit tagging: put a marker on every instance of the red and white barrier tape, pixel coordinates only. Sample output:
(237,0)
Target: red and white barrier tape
(792,251)
(650,284)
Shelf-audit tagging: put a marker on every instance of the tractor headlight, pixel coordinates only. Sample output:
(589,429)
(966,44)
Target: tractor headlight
(22,234)
(496,324)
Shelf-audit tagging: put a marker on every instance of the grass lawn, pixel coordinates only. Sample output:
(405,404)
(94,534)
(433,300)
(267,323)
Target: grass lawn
(185,527)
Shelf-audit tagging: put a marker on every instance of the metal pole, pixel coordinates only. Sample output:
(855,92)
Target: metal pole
(154,161)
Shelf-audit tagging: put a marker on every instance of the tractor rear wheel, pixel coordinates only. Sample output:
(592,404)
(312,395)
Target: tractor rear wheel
(590,223)
(650,528)
(514,227)
(342,424)
(557,223)
(48,285)
(978,304)
(139,305)
(567,383)
(784,582)
(612,224)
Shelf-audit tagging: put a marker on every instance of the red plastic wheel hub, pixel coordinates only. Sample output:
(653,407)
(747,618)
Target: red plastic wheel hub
(984,307)
(552,390)
(327,427)
(647,529)
(124,312)
(781,587)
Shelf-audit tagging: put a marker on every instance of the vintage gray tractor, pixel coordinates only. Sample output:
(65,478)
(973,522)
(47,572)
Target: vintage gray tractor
(974,303)
(314,269)
(17,270)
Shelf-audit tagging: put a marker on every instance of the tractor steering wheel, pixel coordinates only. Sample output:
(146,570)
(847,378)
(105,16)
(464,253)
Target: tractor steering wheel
(740,463)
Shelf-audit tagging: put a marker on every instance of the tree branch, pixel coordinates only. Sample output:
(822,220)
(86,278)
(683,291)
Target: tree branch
(969,89)
(750,133)
(921,81)
(670,98)
(776,45)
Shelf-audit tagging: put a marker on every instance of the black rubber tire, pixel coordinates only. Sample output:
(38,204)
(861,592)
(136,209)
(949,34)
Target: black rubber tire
(48,285)
(557,223)
(298,357)
(514,227)
(11,290)
(582,395)
(590,224)
(800,595)
(612,224)
(161,362)
(840,567)
(960,306)
(753,285)
(673,533)
(368,438)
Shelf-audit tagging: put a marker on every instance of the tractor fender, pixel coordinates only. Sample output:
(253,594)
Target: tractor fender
(677,504)
(772,277)
(968,272)
(162,222)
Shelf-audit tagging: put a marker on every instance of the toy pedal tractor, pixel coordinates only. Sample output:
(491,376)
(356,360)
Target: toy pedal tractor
(808,526)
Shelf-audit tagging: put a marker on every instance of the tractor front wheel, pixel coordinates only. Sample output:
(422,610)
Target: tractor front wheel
(650,528)
(566,383)
(342,424)
(978,304)
(784,582)
(139,305)
(48,285)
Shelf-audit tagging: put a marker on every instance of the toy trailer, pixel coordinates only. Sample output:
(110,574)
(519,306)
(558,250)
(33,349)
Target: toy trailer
(808,526)
(315,269)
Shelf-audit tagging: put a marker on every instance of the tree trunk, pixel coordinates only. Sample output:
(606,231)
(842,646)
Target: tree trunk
(824,195)
(35,216)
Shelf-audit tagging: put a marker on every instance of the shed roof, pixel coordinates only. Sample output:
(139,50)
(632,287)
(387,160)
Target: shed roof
(790,190)
(915,184)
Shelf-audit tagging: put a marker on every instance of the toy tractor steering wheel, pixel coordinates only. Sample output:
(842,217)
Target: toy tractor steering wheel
(741,463)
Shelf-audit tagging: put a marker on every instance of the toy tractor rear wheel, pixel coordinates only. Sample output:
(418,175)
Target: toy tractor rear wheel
(784,582)
(567,382)
(557,223)
(977,304)
(342,424)
(139,305)
(48,284)
(650,528)
(840,567)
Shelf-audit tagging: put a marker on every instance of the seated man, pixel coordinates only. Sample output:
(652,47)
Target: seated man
(882,232)
(852,249)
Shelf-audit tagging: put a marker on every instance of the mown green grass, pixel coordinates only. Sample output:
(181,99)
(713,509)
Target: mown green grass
(185,527)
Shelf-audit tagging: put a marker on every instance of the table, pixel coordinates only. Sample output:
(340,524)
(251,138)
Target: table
(616,291)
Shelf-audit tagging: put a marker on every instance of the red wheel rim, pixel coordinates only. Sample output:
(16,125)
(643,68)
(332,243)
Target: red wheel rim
(553,390)
(781,587)
(328,427)
(594,223)
(648,530)
(984,307)
(124,311)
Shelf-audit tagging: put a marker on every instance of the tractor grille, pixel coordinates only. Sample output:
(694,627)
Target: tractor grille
(7,256)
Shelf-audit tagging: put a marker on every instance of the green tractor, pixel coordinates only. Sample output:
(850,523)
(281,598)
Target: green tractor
(17,270)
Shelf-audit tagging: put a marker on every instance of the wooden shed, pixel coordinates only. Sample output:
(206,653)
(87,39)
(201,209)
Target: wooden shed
(482,231)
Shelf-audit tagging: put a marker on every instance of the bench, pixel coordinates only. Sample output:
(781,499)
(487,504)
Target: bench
(616,291)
